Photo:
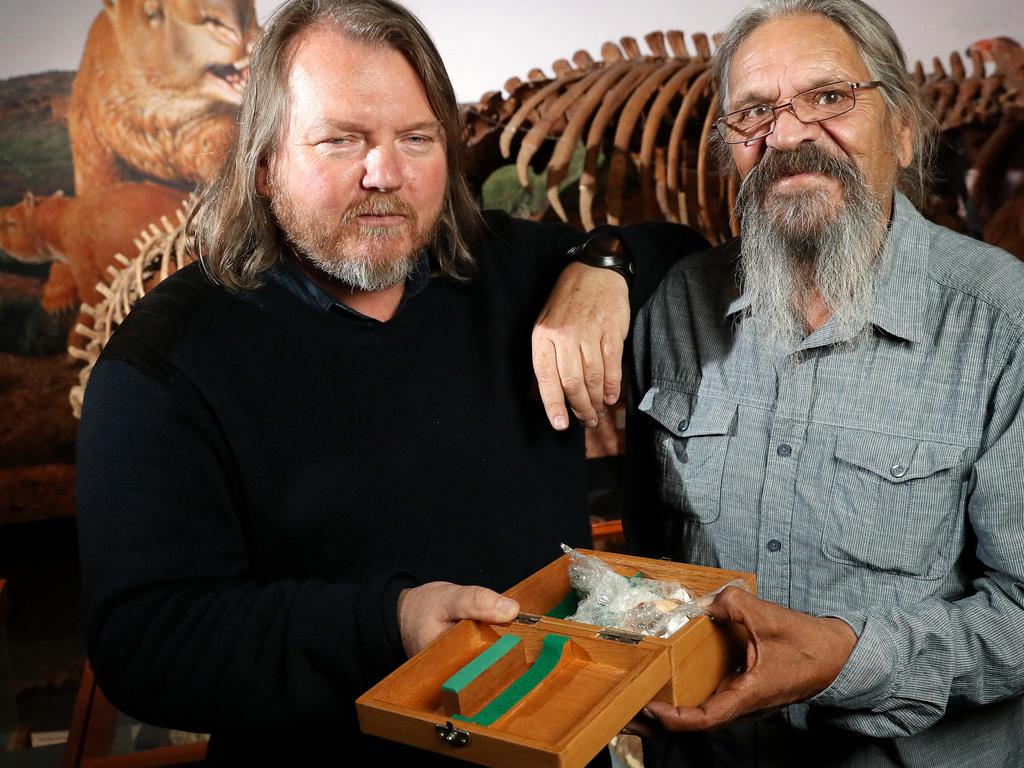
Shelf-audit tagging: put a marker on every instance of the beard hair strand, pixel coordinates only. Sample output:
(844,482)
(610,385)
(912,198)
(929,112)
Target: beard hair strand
(796,245)
(328,245)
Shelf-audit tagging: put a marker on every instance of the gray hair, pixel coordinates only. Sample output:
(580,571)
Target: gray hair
(231,226)
(882,54)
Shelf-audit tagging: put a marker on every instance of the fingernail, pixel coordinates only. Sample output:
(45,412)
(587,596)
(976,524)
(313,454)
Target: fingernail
(647,713)
(561,422)
(507,606)
(590,424)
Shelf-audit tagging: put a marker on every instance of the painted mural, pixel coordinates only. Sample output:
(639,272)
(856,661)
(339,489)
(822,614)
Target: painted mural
(88,161)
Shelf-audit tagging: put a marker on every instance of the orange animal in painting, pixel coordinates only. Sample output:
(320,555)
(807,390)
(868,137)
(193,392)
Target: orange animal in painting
(157,91)
(82,234)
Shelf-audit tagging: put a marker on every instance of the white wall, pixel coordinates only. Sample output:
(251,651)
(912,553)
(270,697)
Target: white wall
(486,42)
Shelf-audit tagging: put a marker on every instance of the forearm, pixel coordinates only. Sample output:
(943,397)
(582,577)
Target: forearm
(208,657)
(184,628)
(909,663)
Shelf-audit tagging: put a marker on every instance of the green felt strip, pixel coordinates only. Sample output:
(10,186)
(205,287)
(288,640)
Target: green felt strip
(550,653)
(567,606)
(481,663)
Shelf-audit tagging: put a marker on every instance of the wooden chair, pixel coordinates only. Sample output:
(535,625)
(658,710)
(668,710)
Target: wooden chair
(92,736)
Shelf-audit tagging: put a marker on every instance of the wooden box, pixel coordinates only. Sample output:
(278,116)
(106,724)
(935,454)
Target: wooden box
(596,680)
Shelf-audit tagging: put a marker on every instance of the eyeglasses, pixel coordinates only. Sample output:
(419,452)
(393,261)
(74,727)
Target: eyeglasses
(812,106)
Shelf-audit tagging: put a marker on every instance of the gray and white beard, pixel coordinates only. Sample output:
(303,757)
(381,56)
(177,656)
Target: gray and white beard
(793,244)
(359,272)
(347,251)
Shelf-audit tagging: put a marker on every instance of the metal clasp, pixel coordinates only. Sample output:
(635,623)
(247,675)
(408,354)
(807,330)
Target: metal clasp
(619,636)
(449,734)
(527,618)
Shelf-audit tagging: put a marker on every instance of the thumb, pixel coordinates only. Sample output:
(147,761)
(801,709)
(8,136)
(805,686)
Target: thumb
(480,604)
(729,605)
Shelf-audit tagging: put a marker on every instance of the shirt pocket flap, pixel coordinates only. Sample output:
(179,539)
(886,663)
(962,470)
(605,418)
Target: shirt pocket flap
(896,459)
(687,415)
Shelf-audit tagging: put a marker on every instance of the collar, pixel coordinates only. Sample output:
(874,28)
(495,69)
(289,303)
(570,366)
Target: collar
(900,301)
(294,279)
(901,298)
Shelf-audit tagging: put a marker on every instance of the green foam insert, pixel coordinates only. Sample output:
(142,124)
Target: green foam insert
(550,653)
(566,607)
(477,666)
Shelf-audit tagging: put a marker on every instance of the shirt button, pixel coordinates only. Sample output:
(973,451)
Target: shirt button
(683,424)
(897,470)
(774,545)
(784,450)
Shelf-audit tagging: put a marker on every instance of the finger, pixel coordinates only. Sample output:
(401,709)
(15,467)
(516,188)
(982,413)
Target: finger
(545,368)
(611,352)
(593,375)
(570,370)
(718,710)
(480,604)
(731,604)
(637,727)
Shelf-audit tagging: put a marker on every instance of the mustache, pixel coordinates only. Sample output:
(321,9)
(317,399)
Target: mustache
(806,158)
(379,204)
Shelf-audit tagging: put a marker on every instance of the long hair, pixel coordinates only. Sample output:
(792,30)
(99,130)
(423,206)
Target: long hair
(882,53)
(231,226)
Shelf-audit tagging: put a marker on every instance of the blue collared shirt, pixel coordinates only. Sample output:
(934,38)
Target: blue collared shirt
(881,483)
(292,277)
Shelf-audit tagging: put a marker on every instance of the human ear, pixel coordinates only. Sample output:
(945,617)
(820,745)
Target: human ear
(262,172)
(904,137)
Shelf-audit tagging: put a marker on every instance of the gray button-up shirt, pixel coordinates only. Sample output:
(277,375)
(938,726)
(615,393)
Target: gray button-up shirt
(881,483)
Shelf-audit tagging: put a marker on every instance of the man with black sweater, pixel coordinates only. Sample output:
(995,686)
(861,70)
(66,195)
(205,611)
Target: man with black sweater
(294,453)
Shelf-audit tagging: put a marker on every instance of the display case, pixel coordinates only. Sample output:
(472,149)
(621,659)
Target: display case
(545,691)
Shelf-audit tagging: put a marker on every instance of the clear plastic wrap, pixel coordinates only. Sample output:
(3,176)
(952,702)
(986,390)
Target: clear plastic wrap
(639,605)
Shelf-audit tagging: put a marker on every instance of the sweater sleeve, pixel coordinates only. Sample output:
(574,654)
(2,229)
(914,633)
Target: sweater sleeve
(655,247)
(180,632)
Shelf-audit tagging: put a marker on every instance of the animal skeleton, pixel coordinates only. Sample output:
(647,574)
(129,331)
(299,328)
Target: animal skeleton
(162,252)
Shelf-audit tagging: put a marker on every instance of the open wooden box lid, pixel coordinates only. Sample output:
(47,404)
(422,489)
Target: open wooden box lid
(596,681)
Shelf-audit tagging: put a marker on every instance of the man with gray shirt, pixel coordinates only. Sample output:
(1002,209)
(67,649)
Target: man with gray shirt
(833,401)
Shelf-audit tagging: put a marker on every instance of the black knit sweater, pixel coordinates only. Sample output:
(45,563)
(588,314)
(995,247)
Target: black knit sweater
(258,477)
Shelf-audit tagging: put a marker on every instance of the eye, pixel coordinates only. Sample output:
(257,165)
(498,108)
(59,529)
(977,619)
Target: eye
(214,22)
(752,115)
(828,98)
(154,11)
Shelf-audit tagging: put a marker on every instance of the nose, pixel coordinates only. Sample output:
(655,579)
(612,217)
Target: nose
(789,131)
(383,171)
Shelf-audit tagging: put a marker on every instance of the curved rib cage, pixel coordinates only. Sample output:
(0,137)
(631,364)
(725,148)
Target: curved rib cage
(642,122)
(162,252)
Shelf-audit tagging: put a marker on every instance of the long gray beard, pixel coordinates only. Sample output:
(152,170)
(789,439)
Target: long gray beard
(796,243)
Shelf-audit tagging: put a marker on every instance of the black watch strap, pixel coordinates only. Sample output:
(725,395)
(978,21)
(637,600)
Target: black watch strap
(604,251)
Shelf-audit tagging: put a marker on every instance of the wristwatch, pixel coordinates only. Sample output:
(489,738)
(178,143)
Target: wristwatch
(604,251)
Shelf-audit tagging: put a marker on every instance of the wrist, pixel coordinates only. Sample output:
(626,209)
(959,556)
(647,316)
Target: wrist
(605,251)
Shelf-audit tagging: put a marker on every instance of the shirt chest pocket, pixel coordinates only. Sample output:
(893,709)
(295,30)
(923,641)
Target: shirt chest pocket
(690,445)
(893,504)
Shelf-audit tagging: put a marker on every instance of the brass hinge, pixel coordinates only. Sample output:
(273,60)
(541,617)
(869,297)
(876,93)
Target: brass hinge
(629,638)
(527,618)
